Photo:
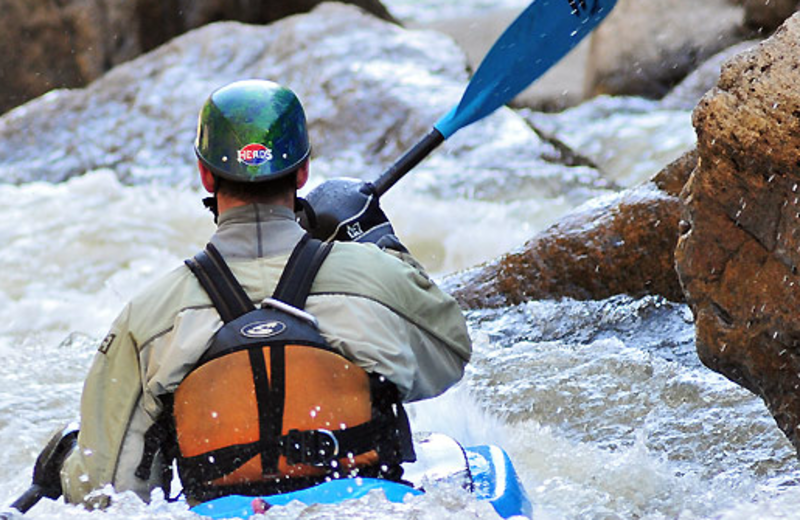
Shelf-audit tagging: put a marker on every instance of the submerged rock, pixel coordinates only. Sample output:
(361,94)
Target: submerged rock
(645,47)
(618,244)
(738,255)
(49,45)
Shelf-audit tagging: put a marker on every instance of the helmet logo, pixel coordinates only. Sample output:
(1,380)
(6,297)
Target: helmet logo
(263,329)
(255,154)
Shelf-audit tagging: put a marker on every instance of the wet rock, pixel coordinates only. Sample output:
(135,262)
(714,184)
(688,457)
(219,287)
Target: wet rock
(645,47)
(618,244)
(49,45)
(738,255)
(768,15)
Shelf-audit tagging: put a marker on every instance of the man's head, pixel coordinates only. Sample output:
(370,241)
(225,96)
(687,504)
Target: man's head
(252,142)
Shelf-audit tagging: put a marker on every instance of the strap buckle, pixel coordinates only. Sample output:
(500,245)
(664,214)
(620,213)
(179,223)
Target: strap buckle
(313,447)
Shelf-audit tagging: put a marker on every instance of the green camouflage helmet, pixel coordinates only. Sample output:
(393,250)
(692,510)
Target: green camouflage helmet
(252,131)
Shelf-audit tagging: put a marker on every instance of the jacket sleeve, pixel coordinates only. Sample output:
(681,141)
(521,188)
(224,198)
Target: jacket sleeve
(385,313)
(113,422)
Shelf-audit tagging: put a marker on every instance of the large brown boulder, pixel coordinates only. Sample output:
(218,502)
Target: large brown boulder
(70,43)
(739,252)
(645,47)
(621,244)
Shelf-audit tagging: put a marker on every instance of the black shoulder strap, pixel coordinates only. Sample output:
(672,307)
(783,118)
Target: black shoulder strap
(218,281)
(227,295)
(300,271)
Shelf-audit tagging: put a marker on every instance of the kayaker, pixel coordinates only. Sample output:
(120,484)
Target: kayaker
(374,304)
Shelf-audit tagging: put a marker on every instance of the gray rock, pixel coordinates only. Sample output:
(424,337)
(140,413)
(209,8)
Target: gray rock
(687,94)
(645,47)
(768,15)
(371,90)
(70,43)
(561,87)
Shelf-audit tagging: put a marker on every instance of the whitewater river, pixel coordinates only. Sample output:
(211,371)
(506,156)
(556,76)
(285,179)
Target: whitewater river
(603,406)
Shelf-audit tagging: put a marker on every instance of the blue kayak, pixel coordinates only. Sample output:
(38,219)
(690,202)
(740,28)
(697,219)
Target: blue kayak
(485,470)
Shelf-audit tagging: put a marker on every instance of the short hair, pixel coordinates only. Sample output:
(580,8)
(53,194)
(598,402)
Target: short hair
(253,192)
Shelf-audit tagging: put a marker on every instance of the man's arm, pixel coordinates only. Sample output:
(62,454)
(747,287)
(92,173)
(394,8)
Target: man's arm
(108,403)
(382,311)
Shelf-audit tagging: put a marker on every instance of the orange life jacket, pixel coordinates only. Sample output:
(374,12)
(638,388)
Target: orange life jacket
(270,407)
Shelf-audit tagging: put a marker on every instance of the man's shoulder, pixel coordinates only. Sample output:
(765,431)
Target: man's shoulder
(365,259)
(156,306)
(166,284)
(365,269)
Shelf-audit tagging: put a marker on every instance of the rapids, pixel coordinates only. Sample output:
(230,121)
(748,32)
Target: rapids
(603,406)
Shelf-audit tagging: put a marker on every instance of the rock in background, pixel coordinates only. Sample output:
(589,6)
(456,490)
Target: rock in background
(645,47)
(688,92)
(70,43)
(559,88)
(619,244)
(739,253)
(767,15)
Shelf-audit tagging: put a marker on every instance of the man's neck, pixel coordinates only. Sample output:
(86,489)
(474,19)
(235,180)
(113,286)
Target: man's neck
(224,202)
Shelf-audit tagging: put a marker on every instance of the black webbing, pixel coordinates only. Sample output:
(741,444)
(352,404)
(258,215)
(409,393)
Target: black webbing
(274,413)
(231,301)
(300,271)
(266,401)
(215,276)
(299,447)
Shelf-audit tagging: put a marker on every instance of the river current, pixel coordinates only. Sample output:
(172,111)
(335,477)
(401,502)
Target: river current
(603,406)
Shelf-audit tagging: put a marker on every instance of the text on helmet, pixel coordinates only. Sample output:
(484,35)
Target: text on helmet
(255,154)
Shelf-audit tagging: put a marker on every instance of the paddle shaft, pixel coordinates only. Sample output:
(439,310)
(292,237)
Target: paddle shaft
(408,161)
(26,501)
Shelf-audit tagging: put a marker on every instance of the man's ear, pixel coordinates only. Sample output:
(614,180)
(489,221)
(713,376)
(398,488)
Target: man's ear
(302,174)
(206,177)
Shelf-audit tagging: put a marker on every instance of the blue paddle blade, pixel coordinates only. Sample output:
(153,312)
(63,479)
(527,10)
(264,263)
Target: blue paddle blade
(543,34)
